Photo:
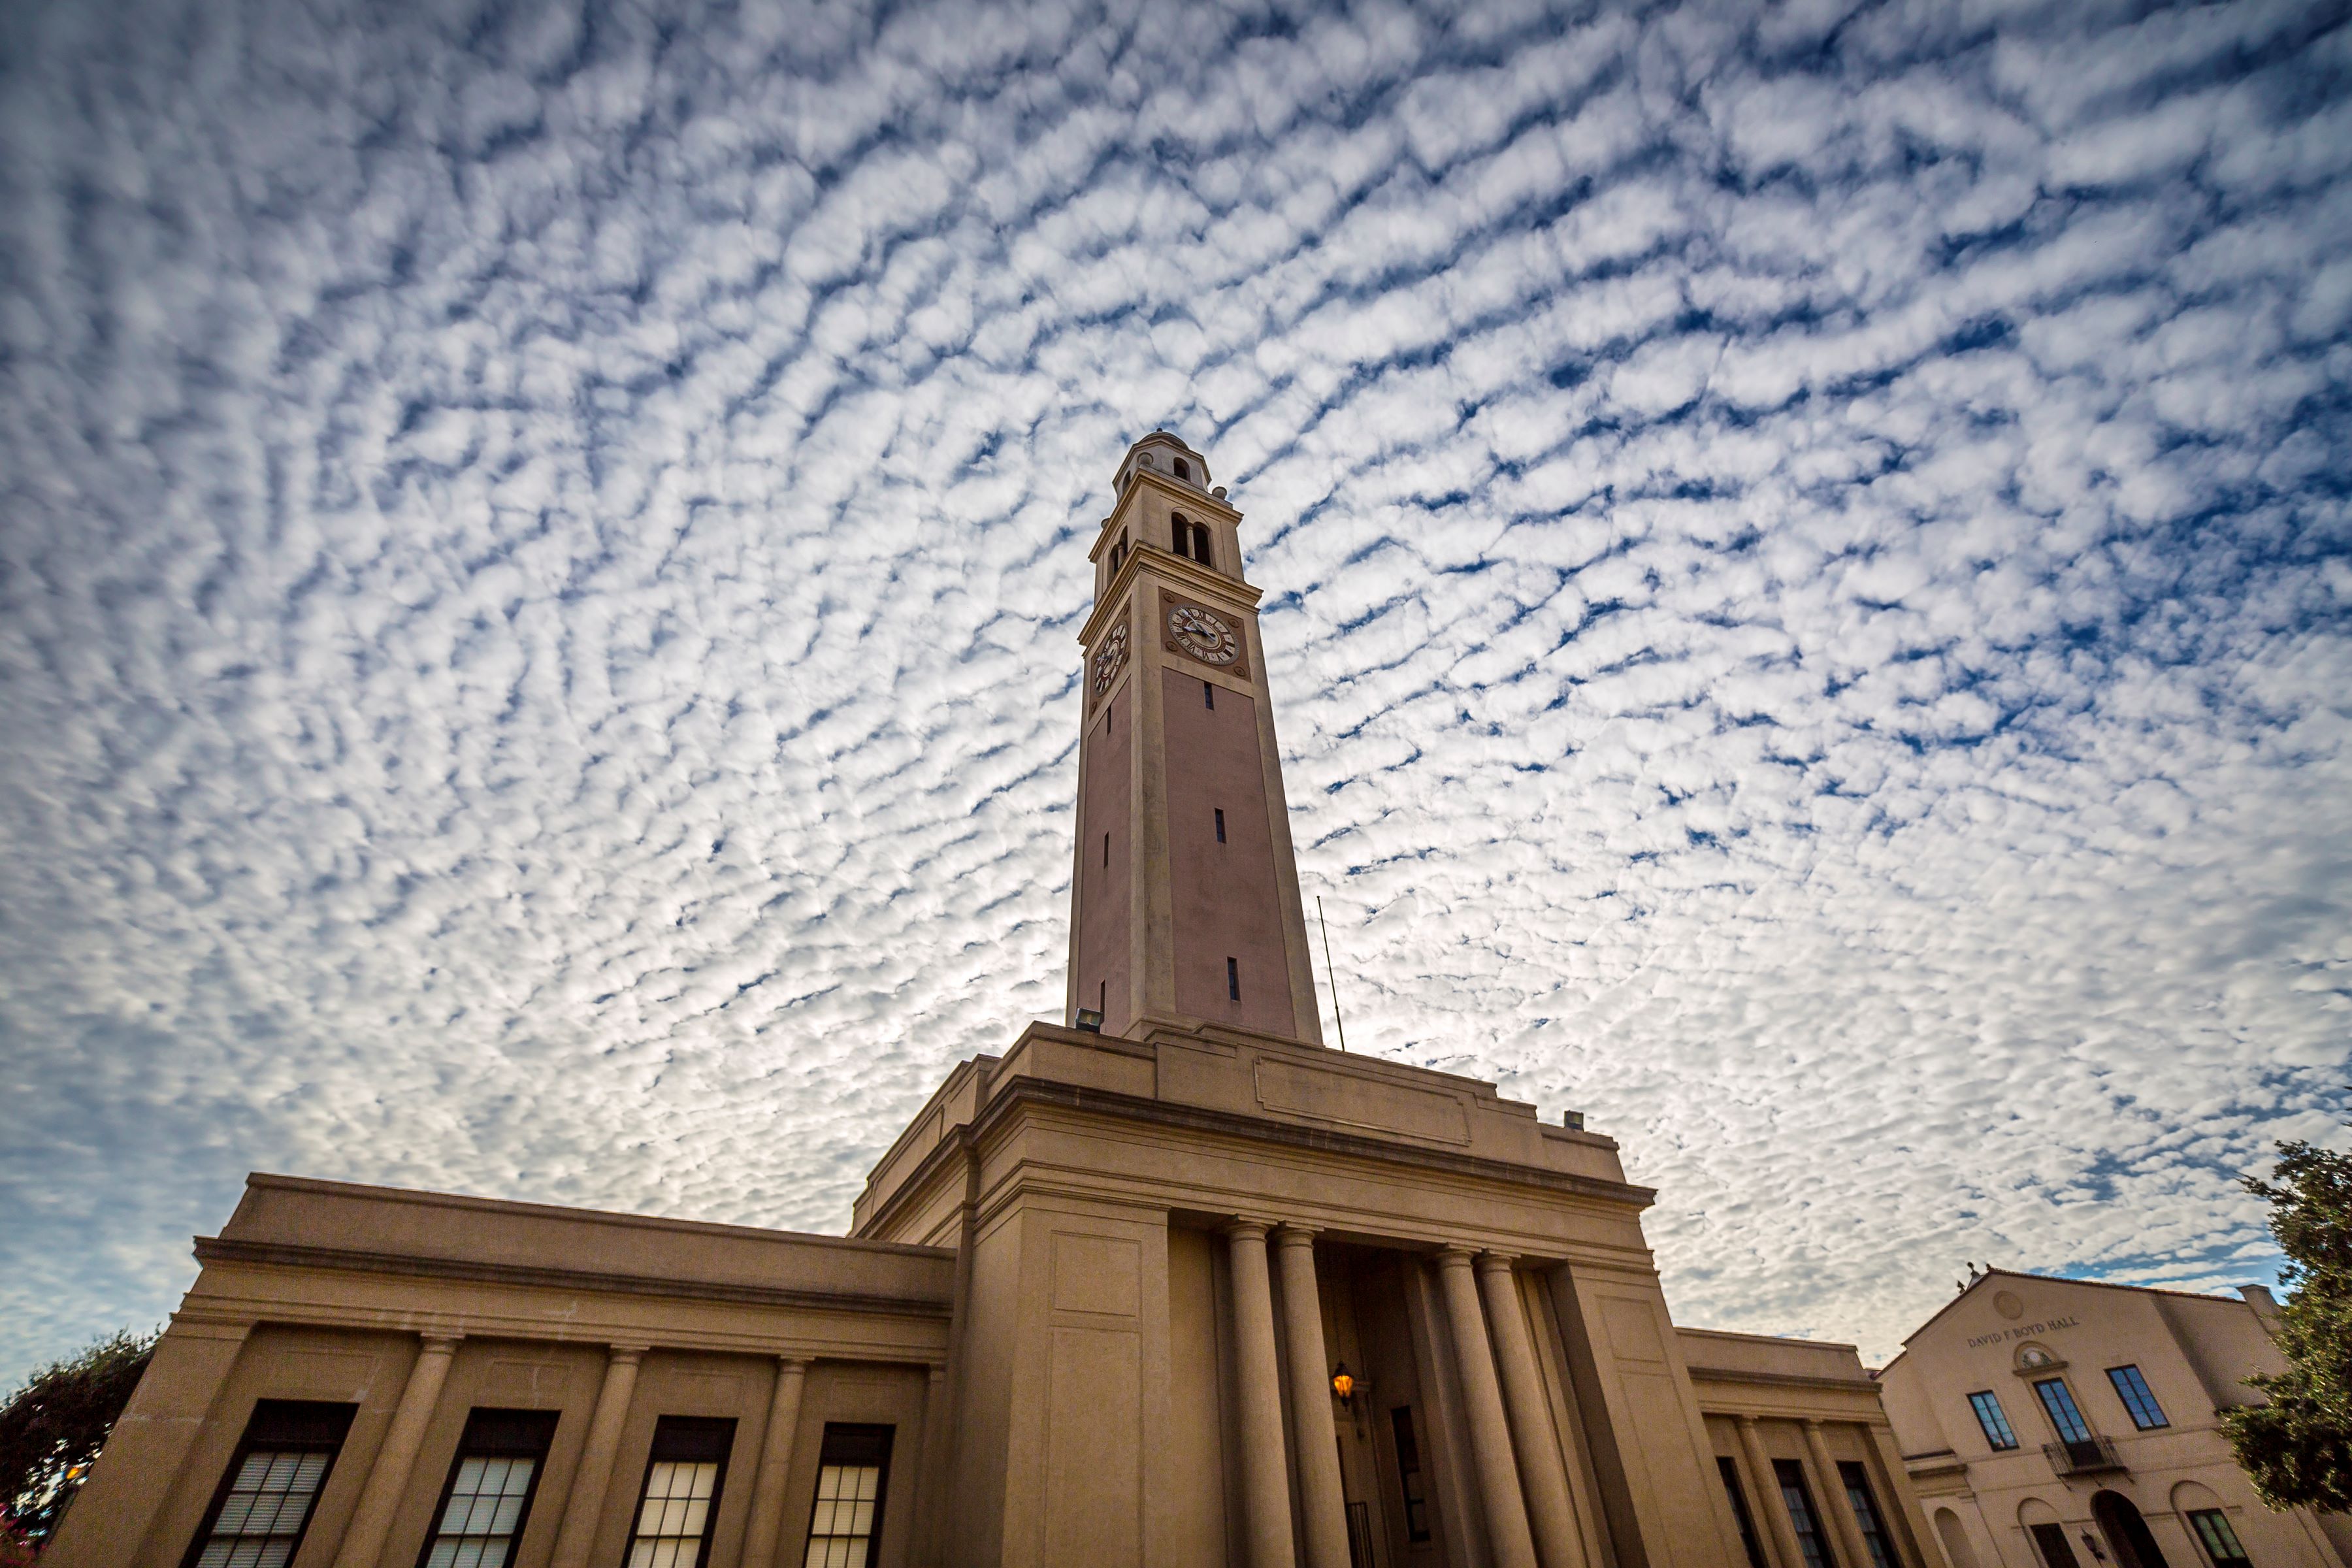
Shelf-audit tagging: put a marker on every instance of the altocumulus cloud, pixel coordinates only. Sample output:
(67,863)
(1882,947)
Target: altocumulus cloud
(1806,550)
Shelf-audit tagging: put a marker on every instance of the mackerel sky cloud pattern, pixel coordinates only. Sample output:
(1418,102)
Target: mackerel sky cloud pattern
(1807,557)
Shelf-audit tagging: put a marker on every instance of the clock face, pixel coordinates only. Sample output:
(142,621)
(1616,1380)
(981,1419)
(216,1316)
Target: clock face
(1204,634)
(1110,658)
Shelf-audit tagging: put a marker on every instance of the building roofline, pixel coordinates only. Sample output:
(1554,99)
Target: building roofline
(2053,1279)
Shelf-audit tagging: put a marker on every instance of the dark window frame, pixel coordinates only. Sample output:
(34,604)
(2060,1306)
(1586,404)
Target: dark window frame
(683,1435)
(837,1436)
(2005,1438)
(480,1441)
(2199,1532)
(2073,1410)
(1233,980)
(2136,1393)
(272,1426)
(1729,1467)
(1865,1503)
(1220,824)
(1208,695)
(1805,1514)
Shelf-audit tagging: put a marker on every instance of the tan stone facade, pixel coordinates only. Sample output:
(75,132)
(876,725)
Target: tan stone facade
(1180,1288)
(2065,1423)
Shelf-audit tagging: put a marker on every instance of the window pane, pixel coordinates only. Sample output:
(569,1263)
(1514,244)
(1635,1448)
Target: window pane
(2219,1542)
(1795,1497)
(1995,1423)
(1865,1513)
(2063,1415)
(2138,1397)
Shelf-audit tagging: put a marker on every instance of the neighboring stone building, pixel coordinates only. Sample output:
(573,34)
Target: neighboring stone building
(2066,1423)
(1173,1285)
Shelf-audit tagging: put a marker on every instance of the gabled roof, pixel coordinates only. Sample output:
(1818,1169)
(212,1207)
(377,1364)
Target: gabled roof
(1992,1274)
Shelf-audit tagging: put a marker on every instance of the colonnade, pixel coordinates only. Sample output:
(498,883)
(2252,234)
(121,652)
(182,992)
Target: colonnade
(584,1506)
(1520,1470)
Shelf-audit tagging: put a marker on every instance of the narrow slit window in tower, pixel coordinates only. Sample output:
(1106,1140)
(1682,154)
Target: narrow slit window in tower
(1221,825)
(1233,980)
(1105,848)
(1208,695)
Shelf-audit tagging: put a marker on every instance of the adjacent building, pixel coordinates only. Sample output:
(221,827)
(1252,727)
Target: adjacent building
(2068,1423)
(1168,1283)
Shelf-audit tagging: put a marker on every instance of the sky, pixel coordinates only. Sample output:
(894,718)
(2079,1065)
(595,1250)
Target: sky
(1808,570)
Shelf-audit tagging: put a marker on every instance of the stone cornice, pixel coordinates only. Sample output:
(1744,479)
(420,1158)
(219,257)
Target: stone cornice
(210,1250)
(1172,567)
(1021,1092)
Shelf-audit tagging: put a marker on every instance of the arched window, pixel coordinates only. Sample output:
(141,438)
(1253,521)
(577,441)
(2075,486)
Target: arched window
(1181,530)
(1184,470)
(1201,543)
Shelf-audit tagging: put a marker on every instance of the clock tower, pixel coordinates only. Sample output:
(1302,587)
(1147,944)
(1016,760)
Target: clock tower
(1184,903)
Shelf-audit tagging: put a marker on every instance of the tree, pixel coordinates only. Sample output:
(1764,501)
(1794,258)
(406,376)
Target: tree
(52,1428)
(2298,1448)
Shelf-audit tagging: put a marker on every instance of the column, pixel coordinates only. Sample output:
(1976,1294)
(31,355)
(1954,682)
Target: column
(761,1534)
(1834,1502)
(585,1507)
(1266,1474)
(1543,1470)
(1482,1401)
(1313,1438)
(1771,1513)
(395,1458)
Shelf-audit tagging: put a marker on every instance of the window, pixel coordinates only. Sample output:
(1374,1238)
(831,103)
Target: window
(1988,1416)
(264,1502)
(1866,1514)
(2050,1540)
(1740,1512)
(682,1478)
(488,1498)
(852,1477)
(1409,1481)
(1184,470)
(1221,825)
(1201,544)
(1232,980)
(1208,695)
(1800,1503)
(1106,849)
(1180,533)
(2219,1542)
(2138,1397)
(2060,1402)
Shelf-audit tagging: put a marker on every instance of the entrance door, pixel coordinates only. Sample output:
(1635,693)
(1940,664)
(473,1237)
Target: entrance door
(2126,1533)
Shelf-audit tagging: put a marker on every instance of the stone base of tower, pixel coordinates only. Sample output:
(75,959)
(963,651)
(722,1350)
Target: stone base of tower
(1155,1237)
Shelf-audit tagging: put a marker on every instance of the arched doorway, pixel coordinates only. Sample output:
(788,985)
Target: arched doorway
(2126,1533)
(1956,1538)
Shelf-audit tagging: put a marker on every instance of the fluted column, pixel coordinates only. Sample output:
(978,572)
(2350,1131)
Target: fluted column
(1543,1468)
(395,1458)
(767,1521)
(1265,1477)
(1313,1438)
(1770,1514)
(1834,1502)
(1482,1401)
(585,1506)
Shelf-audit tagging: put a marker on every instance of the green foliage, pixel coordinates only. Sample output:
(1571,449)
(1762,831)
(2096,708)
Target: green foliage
(52,1428)
(2298,1447)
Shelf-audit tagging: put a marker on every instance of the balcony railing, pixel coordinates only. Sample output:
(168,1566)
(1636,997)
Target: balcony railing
(2086,1458)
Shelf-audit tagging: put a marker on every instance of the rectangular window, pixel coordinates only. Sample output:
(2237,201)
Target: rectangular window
(1990,1417)
(1105,848)
(1866,1514)
(683,1474)
(2050,1540)
(1221,825)
(853,1478)
(2138,1397)
(1798,1500)
(2058,1401)
(264,1502)
(1208,695)
(487,1499)
(1730,1473)
(1408,1478)
(2219,1542)
(1232,980)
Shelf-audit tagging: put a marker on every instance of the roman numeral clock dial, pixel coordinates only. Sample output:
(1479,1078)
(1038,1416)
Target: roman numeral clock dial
(1204,635)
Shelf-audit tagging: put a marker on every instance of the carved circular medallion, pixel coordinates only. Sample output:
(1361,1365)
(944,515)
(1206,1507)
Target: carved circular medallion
(2007,1304)
(1204,635)
(1110,658)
